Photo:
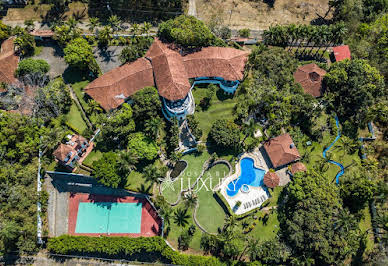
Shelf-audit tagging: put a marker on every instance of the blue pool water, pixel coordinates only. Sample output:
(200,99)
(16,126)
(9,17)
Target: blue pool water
(250,175)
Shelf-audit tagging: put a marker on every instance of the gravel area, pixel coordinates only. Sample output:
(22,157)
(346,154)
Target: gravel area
(108,59)
(53,54)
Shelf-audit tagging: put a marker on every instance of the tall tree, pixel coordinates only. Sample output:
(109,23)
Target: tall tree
(181,217)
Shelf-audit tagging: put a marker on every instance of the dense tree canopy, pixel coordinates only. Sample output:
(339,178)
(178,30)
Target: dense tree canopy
(225,134)
(4,31)
(186,31)
(146,105)
(353,87)
(106,170)
(136,49)
(25,43)
(313,223)
(142,147)
(79,54)
(32,66)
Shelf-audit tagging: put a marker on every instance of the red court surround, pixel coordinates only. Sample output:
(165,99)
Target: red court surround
(150,221)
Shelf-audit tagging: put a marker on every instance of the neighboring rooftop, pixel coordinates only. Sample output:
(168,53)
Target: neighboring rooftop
(298,167)
(42,33)
(341,52)
(271,179)
(281,150)
(310,77)
(8,61)
(111,89)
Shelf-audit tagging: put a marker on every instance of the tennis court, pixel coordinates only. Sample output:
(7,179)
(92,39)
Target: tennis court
(109,217)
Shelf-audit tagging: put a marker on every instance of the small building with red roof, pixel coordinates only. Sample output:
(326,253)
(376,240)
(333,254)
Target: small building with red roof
(341,53)
(310,77)
(297,167)
(281,151)
(73,151)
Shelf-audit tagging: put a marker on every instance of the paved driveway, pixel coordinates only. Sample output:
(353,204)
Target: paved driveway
(53,54)
(109,58)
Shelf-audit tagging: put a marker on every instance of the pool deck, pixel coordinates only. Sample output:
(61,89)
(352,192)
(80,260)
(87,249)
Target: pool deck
(150,222)
(256,196)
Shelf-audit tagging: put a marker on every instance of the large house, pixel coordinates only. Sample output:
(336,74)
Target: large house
(281,151)
(169,72)
(8,62)
(73,151)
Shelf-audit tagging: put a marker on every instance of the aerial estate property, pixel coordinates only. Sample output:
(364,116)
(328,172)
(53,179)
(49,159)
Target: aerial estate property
(193,132)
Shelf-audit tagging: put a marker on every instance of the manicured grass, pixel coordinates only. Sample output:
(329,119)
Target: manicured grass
(366,225)
(268,230)
(74,118)
(275,193)
(221,107)
(94,155)
(137,182)
(210,214)
(193,170)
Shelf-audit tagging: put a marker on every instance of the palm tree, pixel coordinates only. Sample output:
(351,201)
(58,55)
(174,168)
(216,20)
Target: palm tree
(93,107)
(72,22)
(152,127)
(292,35)
(191,200)
(166,213)
(249,129)
(134,29)
(303,33)
(181,217)
(312,33)
(127,162)
(114,22)
(145,29)
(230,223)
(104,36)
(93,24)
(151,173)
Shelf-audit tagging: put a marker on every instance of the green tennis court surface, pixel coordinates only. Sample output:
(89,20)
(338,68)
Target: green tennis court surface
(108,217)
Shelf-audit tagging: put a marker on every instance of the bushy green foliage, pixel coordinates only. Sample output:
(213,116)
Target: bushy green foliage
(31,66)
(136,49)
(172,136)
(106,171)
(53,100)
(355,10)
(65,34)
(146,105)
(79,54)
(151,249)
(353,87)
(313,223)
(4,31)
(193,124)
(25,43)
(225,134)
(186,31)
(118,126)
(244,33)
(142,147)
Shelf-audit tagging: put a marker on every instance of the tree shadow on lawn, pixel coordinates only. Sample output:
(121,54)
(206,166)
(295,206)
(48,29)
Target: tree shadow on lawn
(221,152)
(73,75)
(222,96)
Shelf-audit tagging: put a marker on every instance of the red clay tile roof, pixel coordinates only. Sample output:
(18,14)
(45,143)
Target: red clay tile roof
(111,89)
(8,61)
(169,71)
(281,150)
(42,33)
(62,151)
(298,167)
(341,52)
(271,179)
(310,78)
(228,63)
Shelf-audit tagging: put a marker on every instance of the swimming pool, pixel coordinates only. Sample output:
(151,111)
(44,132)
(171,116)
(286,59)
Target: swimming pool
(108,217)
(250,175)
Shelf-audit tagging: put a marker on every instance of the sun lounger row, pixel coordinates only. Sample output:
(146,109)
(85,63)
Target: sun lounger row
(253,203)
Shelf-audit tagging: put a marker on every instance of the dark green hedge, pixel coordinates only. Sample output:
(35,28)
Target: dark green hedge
(149,249)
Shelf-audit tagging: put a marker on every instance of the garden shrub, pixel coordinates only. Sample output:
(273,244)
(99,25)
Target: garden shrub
(152,248)
(32,66)
(178,169)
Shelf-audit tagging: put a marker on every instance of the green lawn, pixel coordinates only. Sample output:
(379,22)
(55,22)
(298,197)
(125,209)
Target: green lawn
(78,89)
(365,225)
(210,214)
(268,230)
(221,107)
(94,155)
(75,119)
(137,182)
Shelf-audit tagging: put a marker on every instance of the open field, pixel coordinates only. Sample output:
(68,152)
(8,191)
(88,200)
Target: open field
(238,14)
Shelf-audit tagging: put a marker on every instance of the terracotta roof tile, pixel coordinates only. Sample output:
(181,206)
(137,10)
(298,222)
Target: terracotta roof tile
(8,61)
(42,33)
(298,167)
(169,71)
(310,78)
(228,63)
(341,52)
(62,151)
(271,179)
(281,150)
(111,89)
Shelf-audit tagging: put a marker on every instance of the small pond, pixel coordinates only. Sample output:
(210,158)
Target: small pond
(179,167)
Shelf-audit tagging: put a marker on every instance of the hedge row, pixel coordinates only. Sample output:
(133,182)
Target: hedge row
(148,249)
